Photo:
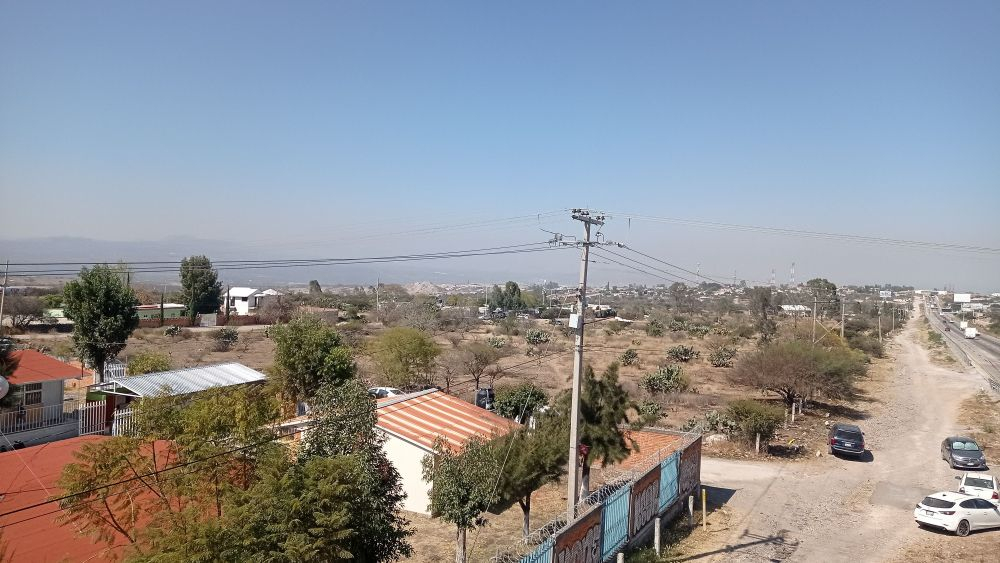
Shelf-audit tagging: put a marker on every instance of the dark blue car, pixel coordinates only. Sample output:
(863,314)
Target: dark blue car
(847,439)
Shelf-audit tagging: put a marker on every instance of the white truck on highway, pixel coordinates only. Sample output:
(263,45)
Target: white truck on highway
(971,332)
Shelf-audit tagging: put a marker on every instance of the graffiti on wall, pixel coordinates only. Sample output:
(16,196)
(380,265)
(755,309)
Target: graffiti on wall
(645,501)
(581,543)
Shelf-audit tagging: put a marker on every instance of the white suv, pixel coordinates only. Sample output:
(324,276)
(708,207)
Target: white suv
(980,485)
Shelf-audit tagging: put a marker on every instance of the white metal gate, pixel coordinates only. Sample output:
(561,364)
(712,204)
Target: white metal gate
(93,418)
(122,425)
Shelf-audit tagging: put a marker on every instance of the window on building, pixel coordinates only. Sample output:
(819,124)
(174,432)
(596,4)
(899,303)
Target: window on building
(32,394)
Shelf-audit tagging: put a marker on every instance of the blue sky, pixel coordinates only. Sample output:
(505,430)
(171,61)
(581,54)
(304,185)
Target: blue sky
(330,122)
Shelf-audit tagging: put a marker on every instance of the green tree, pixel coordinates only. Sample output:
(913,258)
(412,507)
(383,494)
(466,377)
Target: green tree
(763,306)
(682,297)
(751,418)
(309,354)
(148,362)
(315,288)
(825,292)
(52,300)
(532,458)
(201,289)
(508,298)
(477,358)
(405,356)
(464,485)
(103,309)
(604,408)
(8,364)
(519,402)
(344,418)
(23,310)
(796,369)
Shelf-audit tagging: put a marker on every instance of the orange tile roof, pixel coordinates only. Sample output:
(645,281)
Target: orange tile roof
(34,535)
(422,417)
(34,366)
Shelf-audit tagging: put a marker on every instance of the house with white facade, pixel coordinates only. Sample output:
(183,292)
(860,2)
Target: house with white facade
(413,422)
(247,300)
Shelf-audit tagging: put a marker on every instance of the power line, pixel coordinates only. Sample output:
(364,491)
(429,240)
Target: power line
(649,266)
(629,248)
(153,267)
(929,245)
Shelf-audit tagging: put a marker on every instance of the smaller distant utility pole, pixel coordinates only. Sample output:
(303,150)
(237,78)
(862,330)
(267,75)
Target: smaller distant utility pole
(843,308)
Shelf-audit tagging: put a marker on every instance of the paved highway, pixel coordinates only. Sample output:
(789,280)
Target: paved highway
(983,350)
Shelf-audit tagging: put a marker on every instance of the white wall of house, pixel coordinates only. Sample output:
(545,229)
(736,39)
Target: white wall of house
(52,392)
(407,458)
(241,305)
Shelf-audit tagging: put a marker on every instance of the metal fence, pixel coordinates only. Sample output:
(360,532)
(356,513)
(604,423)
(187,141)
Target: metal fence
(622,510)
(37,417)
(93,418)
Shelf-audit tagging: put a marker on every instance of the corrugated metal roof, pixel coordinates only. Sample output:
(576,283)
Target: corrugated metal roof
(188,380)
(422,417)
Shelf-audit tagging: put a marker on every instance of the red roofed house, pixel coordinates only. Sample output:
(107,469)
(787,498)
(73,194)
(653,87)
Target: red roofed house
(413,422)
(32,533)
(35,410)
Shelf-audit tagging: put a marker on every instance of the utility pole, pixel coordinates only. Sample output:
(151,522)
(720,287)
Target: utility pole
(815,302)
(3,293)
(843,308)
(378,282)
(574,420)
(880,307)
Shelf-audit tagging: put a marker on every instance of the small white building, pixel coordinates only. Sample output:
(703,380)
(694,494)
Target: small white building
(248,300)
(413,422)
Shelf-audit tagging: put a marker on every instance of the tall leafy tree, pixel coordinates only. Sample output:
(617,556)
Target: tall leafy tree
(344,425)
(604,410)
(201,289)
(764,304)
(519,402)
(463,485)
(825,292)
(309,354)
(530,459)
(405,356)
(102,307)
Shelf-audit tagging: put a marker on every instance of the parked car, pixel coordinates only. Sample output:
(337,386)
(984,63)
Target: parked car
(979,485)
(961,452)
(383,392)
(956,512)
(846,439)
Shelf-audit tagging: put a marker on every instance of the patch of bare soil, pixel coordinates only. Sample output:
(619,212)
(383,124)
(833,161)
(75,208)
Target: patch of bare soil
(980,415)
(937,350)
(188,349)
(434,539)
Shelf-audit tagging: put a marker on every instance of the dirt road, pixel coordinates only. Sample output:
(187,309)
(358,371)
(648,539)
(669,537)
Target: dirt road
(832,509)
